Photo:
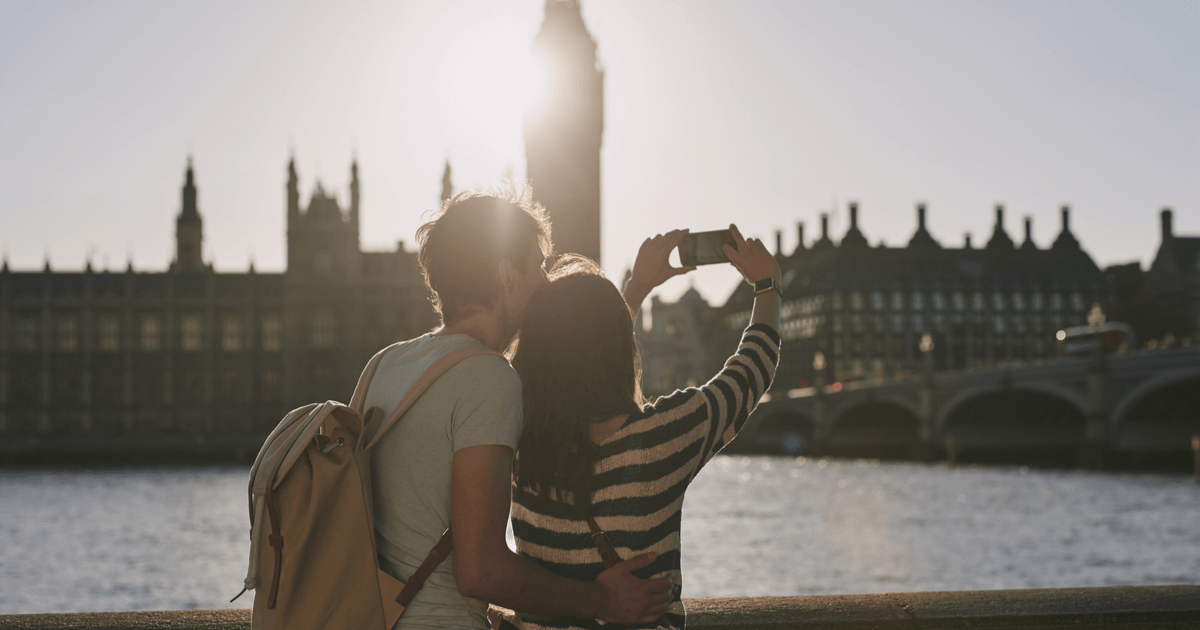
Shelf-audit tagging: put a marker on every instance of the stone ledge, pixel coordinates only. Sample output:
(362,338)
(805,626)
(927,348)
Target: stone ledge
(1121,607)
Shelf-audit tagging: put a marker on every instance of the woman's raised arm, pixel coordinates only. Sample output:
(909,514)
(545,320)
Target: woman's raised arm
(652,268)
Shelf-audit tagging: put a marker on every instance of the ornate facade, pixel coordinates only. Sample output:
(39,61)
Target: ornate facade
(855,311)
(192,350)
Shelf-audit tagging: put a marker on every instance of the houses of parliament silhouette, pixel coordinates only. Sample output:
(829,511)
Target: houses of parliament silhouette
(193,351)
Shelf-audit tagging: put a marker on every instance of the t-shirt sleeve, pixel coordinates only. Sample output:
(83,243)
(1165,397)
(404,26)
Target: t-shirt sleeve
(488,409)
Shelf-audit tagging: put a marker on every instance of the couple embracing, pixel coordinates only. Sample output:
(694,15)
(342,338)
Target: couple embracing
(592,474)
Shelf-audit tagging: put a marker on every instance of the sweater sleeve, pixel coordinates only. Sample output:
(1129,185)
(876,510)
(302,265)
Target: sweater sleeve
(735,391)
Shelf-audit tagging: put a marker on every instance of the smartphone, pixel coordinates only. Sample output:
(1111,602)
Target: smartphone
(705,248)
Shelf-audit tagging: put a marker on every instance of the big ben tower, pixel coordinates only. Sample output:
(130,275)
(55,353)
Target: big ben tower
(563,134)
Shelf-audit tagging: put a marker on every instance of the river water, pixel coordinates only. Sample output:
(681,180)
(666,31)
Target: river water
(176,538)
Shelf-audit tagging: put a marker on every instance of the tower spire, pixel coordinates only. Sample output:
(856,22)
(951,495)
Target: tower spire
(188,227)
(854,237)
(1000,239)
(922,237)
(1066,240)
(1028,244)
(293,191)
(447,186)
(354,192)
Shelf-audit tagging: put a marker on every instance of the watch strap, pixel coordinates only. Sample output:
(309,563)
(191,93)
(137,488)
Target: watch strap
(767,284)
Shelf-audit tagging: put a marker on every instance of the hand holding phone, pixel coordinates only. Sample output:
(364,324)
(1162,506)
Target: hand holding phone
(653,267)
(705,248)
(752,258)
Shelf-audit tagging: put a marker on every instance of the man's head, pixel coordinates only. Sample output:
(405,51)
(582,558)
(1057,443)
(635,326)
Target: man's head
(485,250)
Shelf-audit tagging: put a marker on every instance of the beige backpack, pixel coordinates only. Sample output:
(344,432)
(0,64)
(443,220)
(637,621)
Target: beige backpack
(310,502)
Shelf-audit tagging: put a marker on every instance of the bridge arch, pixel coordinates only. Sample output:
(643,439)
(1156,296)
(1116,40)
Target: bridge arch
(1015,417)
(854,399)
(1122,408)
(880,427)
(1159,415)
(947,407)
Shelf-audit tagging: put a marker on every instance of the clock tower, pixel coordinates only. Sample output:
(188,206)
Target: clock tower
(563,134)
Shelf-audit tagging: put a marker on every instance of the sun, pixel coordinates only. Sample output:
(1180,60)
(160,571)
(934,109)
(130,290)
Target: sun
(489,80)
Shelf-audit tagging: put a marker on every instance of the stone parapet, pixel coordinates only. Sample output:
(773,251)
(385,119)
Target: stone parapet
(1123,607)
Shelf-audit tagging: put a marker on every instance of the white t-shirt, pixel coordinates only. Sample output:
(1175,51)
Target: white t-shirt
(477,402)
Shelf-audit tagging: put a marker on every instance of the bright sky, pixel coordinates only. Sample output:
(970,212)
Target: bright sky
(763,113)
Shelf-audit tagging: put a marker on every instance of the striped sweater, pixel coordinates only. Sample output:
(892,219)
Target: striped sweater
(640,478)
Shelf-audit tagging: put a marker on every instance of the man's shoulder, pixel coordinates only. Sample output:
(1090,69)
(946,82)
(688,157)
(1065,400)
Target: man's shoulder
(488,372)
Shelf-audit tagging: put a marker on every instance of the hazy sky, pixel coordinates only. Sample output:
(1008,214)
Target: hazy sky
(764,113)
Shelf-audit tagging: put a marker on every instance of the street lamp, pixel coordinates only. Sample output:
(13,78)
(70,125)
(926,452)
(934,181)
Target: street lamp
(926,402)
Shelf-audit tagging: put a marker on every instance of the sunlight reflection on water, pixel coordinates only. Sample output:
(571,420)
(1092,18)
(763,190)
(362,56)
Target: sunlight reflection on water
(176,538)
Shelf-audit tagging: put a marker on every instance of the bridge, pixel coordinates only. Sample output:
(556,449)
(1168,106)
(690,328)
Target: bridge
(1140,405)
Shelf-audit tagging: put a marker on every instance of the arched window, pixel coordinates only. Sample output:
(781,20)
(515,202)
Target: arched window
(324,329)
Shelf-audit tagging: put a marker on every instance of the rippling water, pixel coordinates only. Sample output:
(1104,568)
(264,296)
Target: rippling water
(141,539)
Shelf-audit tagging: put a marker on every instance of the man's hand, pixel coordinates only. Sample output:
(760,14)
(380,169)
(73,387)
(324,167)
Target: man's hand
(752,258)
(653,267)
(628,599)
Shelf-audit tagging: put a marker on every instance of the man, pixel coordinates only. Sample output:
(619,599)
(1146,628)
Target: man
(448,462)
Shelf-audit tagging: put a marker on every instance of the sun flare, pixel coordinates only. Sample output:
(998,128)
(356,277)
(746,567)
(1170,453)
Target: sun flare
(488,83)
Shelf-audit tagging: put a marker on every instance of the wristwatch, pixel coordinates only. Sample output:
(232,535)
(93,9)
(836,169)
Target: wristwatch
(767,284)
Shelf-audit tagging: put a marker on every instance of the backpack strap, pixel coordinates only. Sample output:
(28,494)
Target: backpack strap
(436,556)
(438,368)
(364,379)
(603,544)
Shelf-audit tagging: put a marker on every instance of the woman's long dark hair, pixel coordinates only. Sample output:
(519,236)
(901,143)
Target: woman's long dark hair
(579,365)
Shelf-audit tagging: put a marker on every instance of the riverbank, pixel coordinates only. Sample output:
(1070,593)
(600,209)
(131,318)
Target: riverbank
(186,449)
(1123,607)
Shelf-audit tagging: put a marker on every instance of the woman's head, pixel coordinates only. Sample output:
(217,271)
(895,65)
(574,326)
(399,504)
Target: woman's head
(578,363)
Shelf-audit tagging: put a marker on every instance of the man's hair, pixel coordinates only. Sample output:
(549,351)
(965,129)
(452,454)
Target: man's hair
(460,249)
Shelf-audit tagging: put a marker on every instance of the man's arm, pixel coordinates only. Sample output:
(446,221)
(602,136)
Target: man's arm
(486,569)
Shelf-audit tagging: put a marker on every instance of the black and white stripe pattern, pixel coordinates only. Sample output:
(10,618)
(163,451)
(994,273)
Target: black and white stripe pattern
(643,471)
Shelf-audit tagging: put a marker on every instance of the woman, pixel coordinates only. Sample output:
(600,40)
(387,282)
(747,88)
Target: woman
(591,447)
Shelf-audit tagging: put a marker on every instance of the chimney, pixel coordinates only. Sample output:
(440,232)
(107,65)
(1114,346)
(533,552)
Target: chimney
(1066,218)
(778,242)
(853,215)
(999,215)
(800,235)
(825,225)
(920,217)
(968,238)
(1028,229)
(1167,232)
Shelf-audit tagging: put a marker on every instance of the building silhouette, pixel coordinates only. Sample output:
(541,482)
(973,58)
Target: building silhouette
(865,309)
(563,134)
(193,350)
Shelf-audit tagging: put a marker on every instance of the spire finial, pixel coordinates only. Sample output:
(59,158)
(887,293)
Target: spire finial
(447,185)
